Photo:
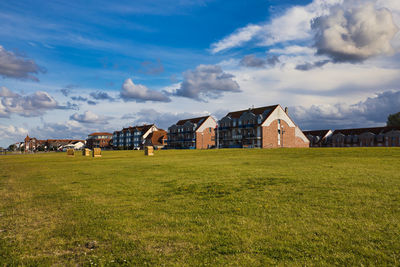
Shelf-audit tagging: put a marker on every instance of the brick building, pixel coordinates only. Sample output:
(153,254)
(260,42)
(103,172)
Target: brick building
(132,137)
(366,137)
(195,133)
(102,140)
(318,138)
(157,139)
(33,144)
(264,127)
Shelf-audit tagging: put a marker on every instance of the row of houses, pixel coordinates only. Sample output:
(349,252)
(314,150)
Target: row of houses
(263,127)
(359,137)
(136,137)
(33,144)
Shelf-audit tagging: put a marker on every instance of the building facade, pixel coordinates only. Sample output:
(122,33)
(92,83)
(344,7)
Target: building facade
(195,133)
(33,144)
(101,140)
(132,137)
(157,139)
(264,127)
(319,138)
(366,137)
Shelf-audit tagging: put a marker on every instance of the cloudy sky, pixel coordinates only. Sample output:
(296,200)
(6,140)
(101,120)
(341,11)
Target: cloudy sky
(69,69)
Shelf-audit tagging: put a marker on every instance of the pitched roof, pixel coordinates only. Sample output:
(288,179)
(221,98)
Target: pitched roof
(256,111)
(320,133)
(193,120)
(64,140)
(144,128)
(100,133)
(156,137)
(358,131)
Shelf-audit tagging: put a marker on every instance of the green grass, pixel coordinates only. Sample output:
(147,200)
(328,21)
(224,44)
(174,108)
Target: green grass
(216,207)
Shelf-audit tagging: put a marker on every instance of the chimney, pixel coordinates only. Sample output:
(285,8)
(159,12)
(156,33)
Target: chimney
(286,110)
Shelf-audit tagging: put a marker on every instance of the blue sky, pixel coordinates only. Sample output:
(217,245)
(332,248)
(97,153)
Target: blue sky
(70,68)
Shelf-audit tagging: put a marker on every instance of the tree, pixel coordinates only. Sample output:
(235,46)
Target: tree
(12,147)
(394,120)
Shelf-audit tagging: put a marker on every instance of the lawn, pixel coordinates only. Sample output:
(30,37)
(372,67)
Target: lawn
(216,207)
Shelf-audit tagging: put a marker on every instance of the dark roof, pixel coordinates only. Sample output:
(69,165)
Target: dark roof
(63,141)
(256,111)
(156,137)
(320,133)
(141,128)
(358,131)
(144,128)
(193,120)
(100,133)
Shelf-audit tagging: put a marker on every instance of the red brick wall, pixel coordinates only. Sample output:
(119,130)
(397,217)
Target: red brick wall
(206,140)
(288,137)
(270,135)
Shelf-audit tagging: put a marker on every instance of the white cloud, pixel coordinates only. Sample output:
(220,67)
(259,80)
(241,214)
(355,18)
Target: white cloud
(161,119)
(286,85)
(35,104)
(372,111)
(12,132)
(89,117)
(15,66)
(293,24)
(354,34)
(238,38)
(140,93)
(206,81)
(69,129)
(293,50)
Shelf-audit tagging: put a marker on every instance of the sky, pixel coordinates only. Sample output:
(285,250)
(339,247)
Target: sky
(70,68)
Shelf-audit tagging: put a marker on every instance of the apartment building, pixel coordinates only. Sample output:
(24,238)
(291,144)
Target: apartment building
(100,139)
(195,133)
(132,137)
(366,137)
(318,138)
(264,127)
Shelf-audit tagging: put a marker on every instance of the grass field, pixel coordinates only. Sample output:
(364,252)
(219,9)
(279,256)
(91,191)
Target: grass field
(215,207)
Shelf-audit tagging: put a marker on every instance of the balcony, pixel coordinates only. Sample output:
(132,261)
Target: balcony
(248,126)
(224,128)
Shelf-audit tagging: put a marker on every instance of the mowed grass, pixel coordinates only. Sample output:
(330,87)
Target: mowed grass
(216,207)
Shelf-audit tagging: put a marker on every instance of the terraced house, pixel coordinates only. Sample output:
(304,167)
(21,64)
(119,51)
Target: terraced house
(318,138)
(100,139)
(264,127)
(366,137)
(195,133)
(132,137)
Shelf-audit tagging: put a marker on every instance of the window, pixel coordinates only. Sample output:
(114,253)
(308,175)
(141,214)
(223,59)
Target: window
(209,129)
(279,137)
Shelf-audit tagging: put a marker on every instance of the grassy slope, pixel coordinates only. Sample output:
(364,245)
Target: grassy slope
(233,207)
